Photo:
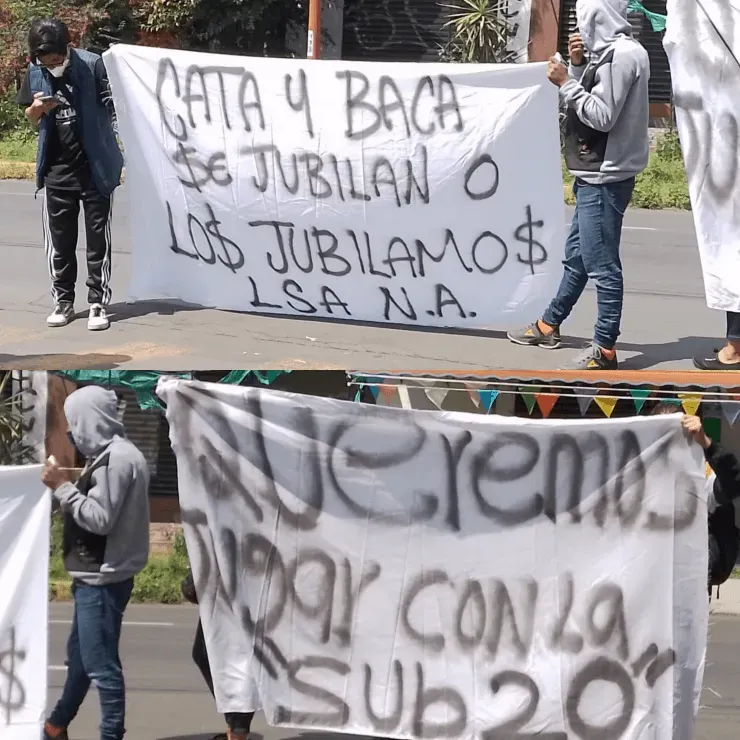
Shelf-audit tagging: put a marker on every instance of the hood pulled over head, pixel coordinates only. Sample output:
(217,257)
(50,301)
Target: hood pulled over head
(601,22)
(92,415)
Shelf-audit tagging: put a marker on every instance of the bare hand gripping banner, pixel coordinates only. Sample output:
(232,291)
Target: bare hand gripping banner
(417,574)
(25,510)
(414,194)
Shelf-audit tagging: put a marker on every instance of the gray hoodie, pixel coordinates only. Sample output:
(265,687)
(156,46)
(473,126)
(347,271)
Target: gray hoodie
(607,101)
(106,512)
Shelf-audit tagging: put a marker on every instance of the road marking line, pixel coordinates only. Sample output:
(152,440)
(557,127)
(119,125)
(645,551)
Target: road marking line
(640,228)
(129,624)
(57,667)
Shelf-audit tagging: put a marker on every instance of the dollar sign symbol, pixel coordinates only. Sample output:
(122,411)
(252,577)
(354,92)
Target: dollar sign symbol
(12,693)
(536,254)
(235,262)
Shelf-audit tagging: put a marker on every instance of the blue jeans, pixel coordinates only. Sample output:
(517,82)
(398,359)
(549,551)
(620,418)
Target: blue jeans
(592,251)
(92,655)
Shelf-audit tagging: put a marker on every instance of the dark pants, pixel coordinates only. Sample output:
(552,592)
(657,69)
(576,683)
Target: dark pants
(733,326)
(92,656)
(61,214)
(592,252)
(236,721)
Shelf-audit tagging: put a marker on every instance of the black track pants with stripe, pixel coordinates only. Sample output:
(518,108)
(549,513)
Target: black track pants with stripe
(61,216)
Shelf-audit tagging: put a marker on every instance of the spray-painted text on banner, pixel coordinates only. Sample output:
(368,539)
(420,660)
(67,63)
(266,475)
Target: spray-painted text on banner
(417,574)
(426,195)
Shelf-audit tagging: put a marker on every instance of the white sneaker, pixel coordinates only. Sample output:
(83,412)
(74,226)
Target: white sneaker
(98,319)
(61,315)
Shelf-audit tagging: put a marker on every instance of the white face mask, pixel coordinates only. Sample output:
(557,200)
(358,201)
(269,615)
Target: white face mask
(60,70)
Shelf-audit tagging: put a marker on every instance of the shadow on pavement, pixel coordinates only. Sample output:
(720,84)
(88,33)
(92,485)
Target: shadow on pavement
(89,361)
(685,348)
(139,309)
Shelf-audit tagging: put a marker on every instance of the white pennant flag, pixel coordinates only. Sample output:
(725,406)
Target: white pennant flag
(437,395)
(731,411)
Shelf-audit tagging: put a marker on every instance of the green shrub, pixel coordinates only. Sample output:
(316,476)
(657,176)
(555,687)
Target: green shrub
(668,147)
(18,146)
(57,571)
(160,581)
(12,117)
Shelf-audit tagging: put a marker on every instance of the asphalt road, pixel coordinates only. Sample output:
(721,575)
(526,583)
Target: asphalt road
(167,699)
(665,323)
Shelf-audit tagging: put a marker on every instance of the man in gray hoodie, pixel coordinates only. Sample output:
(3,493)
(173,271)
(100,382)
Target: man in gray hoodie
(605,92)
(105,544)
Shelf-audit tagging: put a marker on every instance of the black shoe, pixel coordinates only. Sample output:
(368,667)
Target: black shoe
(592,358)
(533,336)
(714,363)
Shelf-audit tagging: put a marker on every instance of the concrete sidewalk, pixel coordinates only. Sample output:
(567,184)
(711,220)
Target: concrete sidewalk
(729,598)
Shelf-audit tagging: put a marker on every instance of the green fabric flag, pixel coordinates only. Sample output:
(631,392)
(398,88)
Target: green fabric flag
(657,21)
(144,382)
(639,395)
(528,396)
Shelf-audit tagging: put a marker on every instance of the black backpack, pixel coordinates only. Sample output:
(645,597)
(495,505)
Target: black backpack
(724,544)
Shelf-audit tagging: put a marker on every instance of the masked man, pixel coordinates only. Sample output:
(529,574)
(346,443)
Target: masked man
(106,543)
(605,92)
(66,94)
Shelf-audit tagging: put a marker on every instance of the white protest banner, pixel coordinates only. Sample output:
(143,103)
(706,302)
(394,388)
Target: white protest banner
(25,511)
(419,574)
(518,15)
(416,194)
(702,41)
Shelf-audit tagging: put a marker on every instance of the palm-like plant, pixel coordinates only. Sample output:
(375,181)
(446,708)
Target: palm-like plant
(13,450)
(480,31)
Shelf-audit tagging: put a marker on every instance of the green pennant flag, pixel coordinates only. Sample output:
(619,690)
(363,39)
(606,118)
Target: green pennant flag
(657,20)
(528,396)
(640,395)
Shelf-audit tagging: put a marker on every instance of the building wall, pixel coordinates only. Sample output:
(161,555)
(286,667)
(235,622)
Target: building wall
(543,30)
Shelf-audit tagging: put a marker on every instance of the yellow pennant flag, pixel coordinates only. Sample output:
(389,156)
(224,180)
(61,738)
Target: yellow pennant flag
(606,404)
(690,402)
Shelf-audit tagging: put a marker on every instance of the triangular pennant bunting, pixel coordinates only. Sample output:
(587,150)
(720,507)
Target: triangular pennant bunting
(474,395)
(528,394)
(546,401)
(371,384)
(437,395)
(690,402)
(488,398)
(639,395)
(388,392)
(606,404)
(585,398)
(731,411)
